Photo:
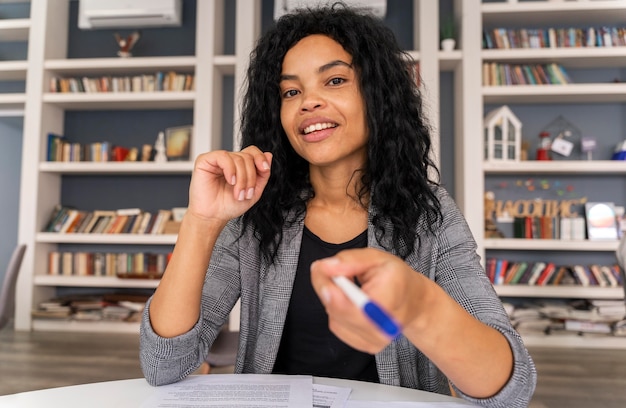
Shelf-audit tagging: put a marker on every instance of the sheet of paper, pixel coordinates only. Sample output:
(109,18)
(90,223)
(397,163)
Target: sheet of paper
(328,396)
(405,404)
(235,390)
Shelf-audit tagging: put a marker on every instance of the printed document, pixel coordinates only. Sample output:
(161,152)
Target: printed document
(235,391)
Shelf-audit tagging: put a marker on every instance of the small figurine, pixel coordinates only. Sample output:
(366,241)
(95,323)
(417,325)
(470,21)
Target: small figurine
(159,148)
(491,229)
(146,152)
(127,44)
(588,145)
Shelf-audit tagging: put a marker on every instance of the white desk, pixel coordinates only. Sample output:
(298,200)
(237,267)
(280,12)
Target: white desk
(131,393)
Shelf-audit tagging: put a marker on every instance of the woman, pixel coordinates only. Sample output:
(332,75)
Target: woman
(333,180)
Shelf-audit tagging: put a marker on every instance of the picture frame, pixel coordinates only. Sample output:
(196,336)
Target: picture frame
(601,221)
(178,143)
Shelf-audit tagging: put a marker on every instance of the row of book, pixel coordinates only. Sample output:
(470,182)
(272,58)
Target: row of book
(503,38)
(496,74)
(505,272)
(112,307)
(158,82)
(120,264)
(68,220)
(545,227)
(60,149)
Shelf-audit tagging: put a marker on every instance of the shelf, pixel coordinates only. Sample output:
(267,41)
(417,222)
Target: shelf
(539,13)
(11,113)
(101,239)
(574,341)
(544,94)
(13,70)
(450,60)
(85,326)
(15,29)
(122,100)
(559,291)
(549,245)
(119,66)
(578,167)
(225,64)
(12,101)
(175,167)
(599,57)
(94,282)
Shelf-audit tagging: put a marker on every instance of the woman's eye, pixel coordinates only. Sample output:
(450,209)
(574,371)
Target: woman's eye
(336,81)
(290,93)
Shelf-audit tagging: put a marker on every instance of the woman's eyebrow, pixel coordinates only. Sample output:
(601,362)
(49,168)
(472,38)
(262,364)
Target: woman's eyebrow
(332,64)
(325,67)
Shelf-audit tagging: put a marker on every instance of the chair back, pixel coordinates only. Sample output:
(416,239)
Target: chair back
(7,291)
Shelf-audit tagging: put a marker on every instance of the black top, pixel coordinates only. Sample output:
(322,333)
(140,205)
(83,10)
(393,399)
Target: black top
(307,346)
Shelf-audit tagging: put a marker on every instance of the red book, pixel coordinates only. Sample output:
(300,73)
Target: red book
(547,273)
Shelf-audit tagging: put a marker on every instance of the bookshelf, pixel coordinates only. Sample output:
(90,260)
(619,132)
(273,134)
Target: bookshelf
(549,97)
(43,182)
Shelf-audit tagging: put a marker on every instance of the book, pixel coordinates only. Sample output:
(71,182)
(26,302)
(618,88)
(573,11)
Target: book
(601,221)
(510,274)
(546,274)
(536,272)
(609,276)
(523,266)
(95,218)
(56,222)
(587,326)
(598,275)
(527,273)
(501,266)
(68,221)
(490,269)
(558,275)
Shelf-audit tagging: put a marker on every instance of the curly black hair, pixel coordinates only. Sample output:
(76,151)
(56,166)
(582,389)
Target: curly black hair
(395,180)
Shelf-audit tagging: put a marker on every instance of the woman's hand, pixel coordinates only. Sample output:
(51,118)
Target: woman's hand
(224,185)
(385,278)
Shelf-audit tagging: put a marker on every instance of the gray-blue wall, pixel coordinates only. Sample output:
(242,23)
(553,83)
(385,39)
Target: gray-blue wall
(10,162)
(11,129)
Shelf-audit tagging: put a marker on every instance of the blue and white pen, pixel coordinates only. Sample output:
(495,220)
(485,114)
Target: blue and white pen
(371,309)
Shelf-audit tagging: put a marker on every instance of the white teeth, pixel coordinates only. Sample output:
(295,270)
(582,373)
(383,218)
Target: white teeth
(318,126)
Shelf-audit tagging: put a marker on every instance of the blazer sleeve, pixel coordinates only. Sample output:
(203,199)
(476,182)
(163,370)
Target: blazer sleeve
(459,272)
(167,360)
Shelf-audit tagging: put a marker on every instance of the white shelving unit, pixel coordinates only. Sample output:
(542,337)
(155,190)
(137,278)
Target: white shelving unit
(41,180)
(15,29)
(546,14)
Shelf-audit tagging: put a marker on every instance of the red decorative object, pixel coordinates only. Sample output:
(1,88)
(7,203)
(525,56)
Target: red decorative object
(543,150)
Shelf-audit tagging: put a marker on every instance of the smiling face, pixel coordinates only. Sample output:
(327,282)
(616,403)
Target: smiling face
(322,109)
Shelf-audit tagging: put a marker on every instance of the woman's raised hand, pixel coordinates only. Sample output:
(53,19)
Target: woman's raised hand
(224,185)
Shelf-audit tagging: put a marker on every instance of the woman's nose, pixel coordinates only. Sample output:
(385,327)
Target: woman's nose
(311,101)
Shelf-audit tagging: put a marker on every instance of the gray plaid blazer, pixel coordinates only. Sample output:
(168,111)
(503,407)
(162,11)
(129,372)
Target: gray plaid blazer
(236,271)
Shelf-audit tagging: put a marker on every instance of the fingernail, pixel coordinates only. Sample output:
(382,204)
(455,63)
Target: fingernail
(266,166)
(325,295)
(241,195)
(250,193)
(233,180)
(330,261)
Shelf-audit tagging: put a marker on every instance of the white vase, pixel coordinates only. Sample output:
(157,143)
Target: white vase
(448,44)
